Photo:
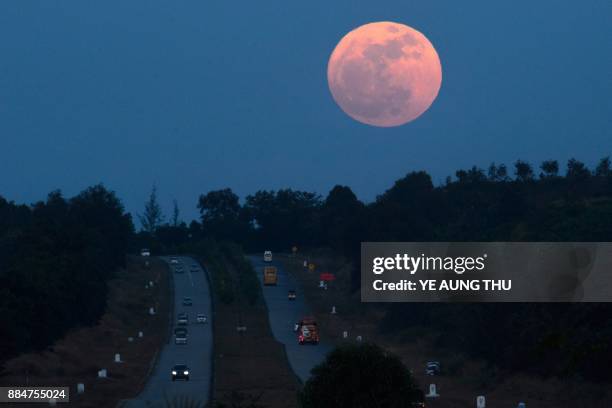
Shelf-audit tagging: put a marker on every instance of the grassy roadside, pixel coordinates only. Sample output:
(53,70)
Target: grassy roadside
(250,366)
(81,353)
(464,379)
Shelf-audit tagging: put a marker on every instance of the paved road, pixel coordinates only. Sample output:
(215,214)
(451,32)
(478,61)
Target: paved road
(283,314)
(196,353)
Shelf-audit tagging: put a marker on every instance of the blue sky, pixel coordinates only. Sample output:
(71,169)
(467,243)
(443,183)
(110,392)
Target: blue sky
(200,95)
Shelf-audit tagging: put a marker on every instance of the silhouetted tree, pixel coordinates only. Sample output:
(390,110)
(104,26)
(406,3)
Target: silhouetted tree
(360,376)
(523,171)
(175,214)
(220,213)
(550,168)
(153,216)
(497,173)
(577,171)
(56,258)
(603,168)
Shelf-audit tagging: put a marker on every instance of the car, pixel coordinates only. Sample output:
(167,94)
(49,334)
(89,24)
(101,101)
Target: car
(180,372)
(182,319)
(174,261)
(195,268)
(180,335)
(180,330)
(178,269)
(145,252)
(201,318)
(267,256)
(432,368)
(187,301)
(291,295)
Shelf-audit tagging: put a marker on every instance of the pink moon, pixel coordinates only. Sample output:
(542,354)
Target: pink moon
(384,74)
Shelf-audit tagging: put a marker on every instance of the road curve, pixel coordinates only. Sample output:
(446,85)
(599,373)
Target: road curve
(283,314)
(196,353)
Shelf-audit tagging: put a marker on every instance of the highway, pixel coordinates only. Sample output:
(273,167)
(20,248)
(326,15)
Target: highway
(196,354)
(283,314)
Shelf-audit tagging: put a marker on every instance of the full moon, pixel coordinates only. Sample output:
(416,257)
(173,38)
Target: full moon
(384,74)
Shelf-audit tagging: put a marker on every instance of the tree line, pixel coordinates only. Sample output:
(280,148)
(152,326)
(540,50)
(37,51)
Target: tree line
(56,257)
(522,203)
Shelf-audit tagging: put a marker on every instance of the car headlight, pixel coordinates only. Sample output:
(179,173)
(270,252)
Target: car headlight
(173,372)
(186,372)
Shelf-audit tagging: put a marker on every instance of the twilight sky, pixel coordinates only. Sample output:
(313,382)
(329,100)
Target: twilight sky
(207,94)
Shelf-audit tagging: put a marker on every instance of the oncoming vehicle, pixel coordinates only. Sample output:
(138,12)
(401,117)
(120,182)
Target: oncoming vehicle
(180,372)
(267,256)
(174,261)
(291,295)
(308,331)
(432,368)
(145,252)
(195,268)
(187,301)
(201,318)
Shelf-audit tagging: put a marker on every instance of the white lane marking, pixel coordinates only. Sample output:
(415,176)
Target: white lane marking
(191,279)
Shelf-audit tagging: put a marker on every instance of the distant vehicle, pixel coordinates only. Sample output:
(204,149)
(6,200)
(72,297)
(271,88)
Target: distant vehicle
(174,261)
(182,319)
(291,295)
(268,256)
(195,268)
(432,368)
(180,330)
(180,372)
(145,252)
(180,335)
(270,276)
(178,269)
(308,331)
(201,318)
(187,301)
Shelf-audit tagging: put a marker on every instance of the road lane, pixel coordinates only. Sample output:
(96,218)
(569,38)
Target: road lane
(283,314)
(196,354)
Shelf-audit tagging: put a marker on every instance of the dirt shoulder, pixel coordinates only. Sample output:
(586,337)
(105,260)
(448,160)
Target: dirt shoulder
(465,378)
(81,353)
(249,365)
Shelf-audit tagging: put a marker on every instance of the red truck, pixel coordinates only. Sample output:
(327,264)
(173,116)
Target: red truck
(308,331)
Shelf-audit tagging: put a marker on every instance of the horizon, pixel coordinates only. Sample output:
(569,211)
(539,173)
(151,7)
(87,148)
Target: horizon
(197,97)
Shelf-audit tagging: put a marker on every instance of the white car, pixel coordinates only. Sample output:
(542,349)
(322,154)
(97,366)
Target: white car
(145,252)
(182,319)
(201,318)
(174,261)
(268,256)
(432,368)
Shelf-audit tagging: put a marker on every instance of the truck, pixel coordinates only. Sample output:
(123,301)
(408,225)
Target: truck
(308,331)
(270,276)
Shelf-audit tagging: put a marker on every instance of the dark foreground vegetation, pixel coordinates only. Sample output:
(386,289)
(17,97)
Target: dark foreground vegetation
(56,258)
(360,376)
(521,204)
